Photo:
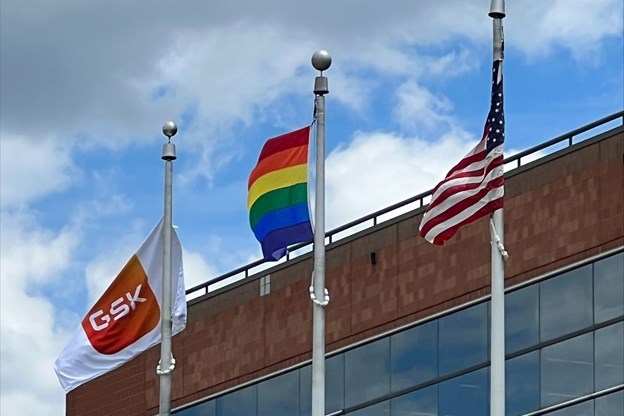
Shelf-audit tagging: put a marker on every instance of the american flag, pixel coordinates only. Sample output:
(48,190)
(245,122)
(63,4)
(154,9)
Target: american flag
(474,187)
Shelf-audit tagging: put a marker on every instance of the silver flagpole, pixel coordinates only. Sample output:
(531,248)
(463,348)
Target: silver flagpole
(167,362)
(497,314)
(320,61)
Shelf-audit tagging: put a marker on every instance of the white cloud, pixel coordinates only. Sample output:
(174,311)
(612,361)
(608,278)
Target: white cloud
(196,269)
(31,258)
(452,64)
(378,169)
(27,249)
(576,25)
(417,106)
(229,59)
(32,169)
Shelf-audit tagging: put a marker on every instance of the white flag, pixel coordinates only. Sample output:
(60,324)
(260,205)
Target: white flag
(125,321)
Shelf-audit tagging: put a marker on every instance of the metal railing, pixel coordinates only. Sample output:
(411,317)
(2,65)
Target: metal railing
(420,199)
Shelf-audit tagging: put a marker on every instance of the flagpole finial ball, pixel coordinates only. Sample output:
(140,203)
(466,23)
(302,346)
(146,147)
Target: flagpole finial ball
(169,129)
(321,60)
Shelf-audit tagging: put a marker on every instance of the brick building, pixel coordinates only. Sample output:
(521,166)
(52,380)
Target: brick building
(408,323)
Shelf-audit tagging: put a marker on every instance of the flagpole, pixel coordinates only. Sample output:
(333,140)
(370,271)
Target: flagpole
(166,363)
(497,313)
(321,60)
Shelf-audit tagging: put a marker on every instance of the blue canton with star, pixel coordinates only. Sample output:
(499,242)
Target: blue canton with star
(495,125)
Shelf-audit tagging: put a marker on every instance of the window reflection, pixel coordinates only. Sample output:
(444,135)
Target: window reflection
(414,356)
(522,318)
(463,339)
(566,303)
(305,391)
(239,402)
(611,404)
(279,395)
(334,386)
(379,409)
(581,409)
(609,350)
(334,379)
(466,395)
(567,370)
(609,288)
(423,402)
(367,372)
(522,384)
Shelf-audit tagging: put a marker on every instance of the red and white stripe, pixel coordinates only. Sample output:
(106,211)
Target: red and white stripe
(472,189)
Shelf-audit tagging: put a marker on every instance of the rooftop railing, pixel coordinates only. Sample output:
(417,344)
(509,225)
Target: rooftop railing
(511,162)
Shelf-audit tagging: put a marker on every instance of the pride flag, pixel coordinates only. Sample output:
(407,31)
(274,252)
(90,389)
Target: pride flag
(277,199)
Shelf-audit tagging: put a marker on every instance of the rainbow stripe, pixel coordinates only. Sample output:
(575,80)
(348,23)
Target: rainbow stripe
(277,197)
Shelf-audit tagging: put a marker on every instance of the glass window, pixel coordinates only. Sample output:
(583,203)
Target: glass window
(334,386)
(414,356)
(379,409)
(567,370)
(334,379)
(522,384)
(463,339)
(566,303)
(367,372)
(465,395)
(203,409)
(522,318)
(609,288)
(421,402)
(239,402)
(581,409)
(611,404)
(279,395)
(609,350)
(305,391)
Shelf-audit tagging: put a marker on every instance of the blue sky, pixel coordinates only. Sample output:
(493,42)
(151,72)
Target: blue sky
(86,87)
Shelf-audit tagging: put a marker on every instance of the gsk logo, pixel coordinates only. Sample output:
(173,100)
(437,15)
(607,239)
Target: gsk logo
(127,311)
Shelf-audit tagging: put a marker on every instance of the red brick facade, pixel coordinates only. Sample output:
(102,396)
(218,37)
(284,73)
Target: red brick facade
(558,210)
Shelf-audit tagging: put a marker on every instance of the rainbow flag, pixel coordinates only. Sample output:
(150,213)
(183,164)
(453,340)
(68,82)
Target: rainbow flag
(277,198)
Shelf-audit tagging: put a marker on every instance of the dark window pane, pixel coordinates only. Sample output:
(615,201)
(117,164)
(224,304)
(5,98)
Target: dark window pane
(463,339)
(609,288)
(334,386)
(379,409)
(305,391)
(239,402)
(522,384)
(203,409)
(581,409)
(609,350)
(465,395)
(522,318)
(567,370)
(414,356)
(423,402)
(279,395)
(334,381)
(566,303)
(611,404)
(367,372)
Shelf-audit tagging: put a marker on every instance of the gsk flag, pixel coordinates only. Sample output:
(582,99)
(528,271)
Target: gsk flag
(125,321)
